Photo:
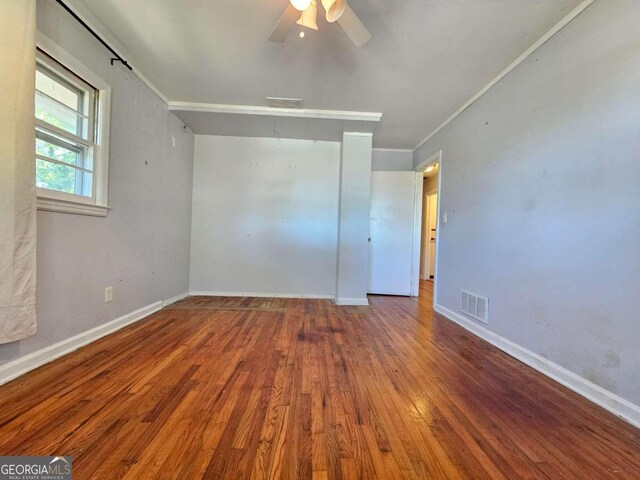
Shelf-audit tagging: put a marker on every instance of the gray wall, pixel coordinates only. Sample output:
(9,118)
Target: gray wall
(391,160)
(265,216)
(541,180)
(142,246)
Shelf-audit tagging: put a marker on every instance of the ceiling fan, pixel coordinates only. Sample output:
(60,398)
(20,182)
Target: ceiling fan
(305,13)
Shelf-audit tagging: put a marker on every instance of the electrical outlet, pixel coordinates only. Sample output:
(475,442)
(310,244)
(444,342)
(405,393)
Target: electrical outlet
(108,294)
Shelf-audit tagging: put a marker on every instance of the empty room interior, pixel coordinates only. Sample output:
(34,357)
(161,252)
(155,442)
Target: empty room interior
(319,239)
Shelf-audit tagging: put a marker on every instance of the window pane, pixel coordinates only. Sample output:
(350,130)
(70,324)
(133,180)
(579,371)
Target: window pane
(63,178)
(57,148)
(60,92)
(58,116)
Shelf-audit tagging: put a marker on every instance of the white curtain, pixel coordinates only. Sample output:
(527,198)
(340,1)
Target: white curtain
(17,170)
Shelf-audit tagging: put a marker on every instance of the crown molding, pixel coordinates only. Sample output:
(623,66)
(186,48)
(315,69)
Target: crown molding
(546,37)
(357,134)
(275,112)
(396,150)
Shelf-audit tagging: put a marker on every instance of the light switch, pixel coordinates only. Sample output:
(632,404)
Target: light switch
(445,217)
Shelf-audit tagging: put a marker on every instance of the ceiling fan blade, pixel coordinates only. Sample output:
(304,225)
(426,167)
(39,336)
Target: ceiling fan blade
(286,22)
(353,27)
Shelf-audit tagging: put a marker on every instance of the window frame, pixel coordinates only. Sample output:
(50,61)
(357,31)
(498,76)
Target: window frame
(99,112)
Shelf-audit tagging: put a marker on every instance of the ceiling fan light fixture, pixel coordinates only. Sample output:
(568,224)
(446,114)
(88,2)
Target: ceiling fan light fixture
(301,5)
(309,16)
(334,9)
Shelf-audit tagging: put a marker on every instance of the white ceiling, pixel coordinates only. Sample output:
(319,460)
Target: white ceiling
(426,57)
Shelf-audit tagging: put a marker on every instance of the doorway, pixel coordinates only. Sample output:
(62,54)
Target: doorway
(429,232)
(426,273)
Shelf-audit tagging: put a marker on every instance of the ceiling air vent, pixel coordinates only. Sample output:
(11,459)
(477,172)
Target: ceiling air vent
(275,102)
(475,306)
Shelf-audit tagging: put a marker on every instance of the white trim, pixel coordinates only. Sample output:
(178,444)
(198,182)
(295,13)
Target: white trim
(417,234)
(101,163)
(397,150)
(22,365)
(275,112)
(64,164)
(358,134)
(439,226)
(52,129)
(175,299)
(343,302)
(64,206)
(546,37)
(592,392)
(259,295)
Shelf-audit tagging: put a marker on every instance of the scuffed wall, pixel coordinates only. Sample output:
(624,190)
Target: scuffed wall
(541,182)
(142,247)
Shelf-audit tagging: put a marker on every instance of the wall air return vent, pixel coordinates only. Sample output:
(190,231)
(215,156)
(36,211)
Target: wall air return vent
(475,306)
(275,102)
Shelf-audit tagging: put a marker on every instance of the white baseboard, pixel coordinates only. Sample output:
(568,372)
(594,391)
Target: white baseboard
(589,390)
(175,299)
(352,301)
(261,295)
(22,365)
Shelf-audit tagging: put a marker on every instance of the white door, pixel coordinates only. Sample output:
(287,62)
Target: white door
(391,231)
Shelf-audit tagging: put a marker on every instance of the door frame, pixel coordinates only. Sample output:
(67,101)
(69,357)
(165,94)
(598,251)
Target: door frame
(417,228)
(417,234)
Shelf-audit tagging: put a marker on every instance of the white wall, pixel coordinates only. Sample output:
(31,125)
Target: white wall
(265,216)
(541,180)
(142,246)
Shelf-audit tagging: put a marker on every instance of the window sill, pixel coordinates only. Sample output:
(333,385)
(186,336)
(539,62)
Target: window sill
(64,206)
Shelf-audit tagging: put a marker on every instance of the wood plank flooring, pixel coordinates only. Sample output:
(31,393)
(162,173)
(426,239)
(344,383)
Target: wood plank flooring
(280,388)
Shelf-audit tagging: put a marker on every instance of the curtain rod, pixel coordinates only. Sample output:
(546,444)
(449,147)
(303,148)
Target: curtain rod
(117,58)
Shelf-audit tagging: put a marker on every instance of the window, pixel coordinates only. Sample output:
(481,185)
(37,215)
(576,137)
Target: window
(71,116)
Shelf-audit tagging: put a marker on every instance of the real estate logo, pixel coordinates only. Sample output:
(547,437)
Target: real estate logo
(35,468)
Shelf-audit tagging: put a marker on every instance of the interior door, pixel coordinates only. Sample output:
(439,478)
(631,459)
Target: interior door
(391,231)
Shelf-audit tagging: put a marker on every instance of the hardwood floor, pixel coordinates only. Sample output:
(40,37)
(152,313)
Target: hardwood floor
(280,388)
